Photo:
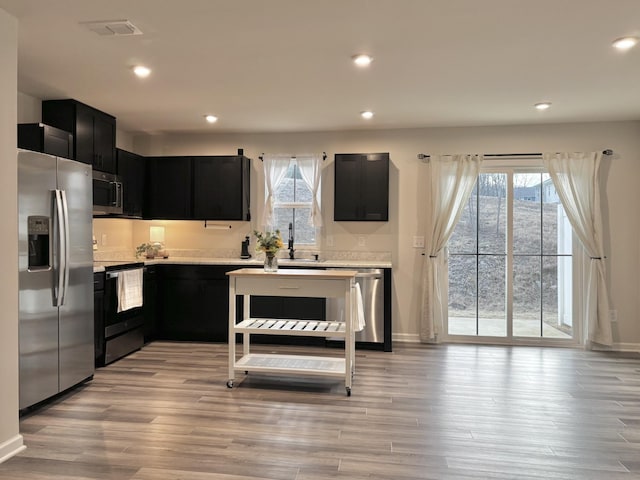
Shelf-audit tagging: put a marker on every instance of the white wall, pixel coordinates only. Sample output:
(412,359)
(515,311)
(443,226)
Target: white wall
(29,109)
(10,439)
(407,191)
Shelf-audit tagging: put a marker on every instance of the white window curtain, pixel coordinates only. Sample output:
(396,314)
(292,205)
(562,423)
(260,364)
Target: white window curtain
(575,176)
(275,169)
(451,181)
(310,170)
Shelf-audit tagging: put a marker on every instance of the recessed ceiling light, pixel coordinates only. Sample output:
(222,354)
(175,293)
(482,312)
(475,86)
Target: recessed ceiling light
(625,43)
(211,118)
(141,71)
(542,105)
(367,114)
(362,60)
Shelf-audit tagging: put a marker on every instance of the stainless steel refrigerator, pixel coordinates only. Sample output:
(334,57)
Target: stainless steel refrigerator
(55,275)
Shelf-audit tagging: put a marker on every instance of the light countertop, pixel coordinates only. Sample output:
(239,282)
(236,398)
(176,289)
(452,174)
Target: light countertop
(253,262)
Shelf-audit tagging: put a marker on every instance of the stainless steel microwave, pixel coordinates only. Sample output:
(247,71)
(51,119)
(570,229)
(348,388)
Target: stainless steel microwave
(107,194)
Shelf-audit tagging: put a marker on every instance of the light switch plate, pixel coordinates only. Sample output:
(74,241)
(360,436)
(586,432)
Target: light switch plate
(418,242)
(362,241)
(104,239)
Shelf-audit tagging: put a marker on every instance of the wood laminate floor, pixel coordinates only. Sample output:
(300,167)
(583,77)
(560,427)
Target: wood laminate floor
(421,412)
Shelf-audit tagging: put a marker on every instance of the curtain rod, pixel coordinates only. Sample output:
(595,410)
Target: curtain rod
(422,156)
(324,156)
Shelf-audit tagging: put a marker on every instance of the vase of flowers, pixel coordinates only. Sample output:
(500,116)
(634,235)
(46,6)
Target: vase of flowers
(270,243)
(149,250)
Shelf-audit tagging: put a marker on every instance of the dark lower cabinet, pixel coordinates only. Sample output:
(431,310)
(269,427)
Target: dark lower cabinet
(98,315)
(150,302)
(193,302)
(193,305)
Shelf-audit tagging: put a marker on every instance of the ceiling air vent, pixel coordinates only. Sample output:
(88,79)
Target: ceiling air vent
(113,28)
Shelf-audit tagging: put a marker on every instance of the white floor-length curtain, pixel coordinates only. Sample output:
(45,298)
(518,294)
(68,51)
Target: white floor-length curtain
(451,181)
(275,169)
(575,176)
(310,167)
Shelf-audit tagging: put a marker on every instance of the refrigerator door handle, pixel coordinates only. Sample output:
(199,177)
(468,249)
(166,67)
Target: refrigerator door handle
(61,250)
(65,269)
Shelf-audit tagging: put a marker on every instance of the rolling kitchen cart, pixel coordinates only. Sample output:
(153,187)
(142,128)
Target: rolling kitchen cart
(292,283)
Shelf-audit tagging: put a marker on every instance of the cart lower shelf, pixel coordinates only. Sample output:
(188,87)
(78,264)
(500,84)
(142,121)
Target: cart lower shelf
(296,364)
(305,364)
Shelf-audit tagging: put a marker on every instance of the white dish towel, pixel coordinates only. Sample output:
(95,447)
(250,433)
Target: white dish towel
(129,289)
(359,309)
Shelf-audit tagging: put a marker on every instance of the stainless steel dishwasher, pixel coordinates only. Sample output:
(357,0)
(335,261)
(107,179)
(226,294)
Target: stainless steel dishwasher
(371,281)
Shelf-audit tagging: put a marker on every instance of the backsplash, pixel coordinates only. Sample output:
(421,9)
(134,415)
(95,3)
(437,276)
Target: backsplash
(117,239)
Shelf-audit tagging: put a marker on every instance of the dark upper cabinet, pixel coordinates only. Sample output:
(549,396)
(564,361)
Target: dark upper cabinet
(168,188)
(46,139)
(198,188)
(131,170)
(94,132)
(361,187)
(221,188)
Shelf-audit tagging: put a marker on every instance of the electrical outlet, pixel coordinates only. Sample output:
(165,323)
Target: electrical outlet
(362,241)
(613,315)
(329,240)
(104,239)
(418,242)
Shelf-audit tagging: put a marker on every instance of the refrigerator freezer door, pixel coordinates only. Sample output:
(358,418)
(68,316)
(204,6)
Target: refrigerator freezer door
(76,345)
(38,324)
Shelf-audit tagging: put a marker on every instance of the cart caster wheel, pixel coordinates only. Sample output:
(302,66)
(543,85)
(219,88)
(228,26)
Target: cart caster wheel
(348,391)
(230,384)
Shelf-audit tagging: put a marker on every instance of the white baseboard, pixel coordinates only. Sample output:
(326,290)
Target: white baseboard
(619,347)
(11,447)
(616,347)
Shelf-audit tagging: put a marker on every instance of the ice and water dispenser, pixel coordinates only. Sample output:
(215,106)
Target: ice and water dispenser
(39,245)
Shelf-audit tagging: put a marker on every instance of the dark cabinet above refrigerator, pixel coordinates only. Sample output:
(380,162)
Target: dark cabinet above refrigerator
(94,132)
(42,138)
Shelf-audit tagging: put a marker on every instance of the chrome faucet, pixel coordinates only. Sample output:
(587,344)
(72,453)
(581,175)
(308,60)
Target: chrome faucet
(291,250)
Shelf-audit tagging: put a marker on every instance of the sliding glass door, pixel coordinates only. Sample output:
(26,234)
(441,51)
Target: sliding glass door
(510,264)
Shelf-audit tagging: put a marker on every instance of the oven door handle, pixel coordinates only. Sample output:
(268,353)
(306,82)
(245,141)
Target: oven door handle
(115,274)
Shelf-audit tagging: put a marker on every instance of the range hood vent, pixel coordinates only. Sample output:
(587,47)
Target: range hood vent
(113,28)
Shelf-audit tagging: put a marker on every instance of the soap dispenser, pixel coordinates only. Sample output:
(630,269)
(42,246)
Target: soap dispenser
(244,253)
